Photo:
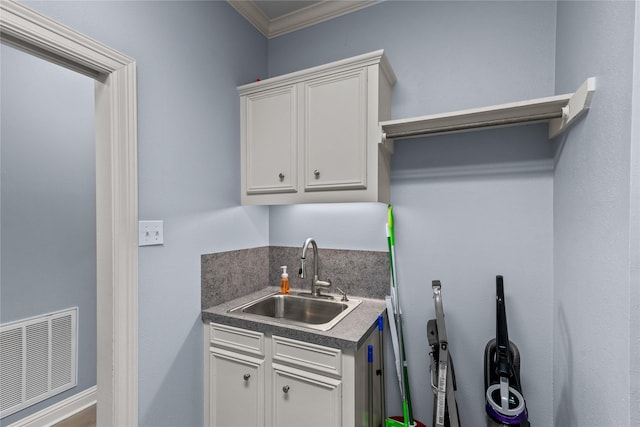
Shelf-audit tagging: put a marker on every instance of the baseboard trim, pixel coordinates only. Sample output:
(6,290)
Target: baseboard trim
(60,411)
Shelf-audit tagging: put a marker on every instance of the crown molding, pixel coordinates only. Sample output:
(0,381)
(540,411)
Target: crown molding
(253,14)
(305,17)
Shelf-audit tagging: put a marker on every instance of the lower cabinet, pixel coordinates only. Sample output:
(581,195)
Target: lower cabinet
(237,389)
(272,381)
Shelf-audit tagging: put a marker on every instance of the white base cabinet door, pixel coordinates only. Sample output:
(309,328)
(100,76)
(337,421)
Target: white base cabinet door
(237,390)
(302,398)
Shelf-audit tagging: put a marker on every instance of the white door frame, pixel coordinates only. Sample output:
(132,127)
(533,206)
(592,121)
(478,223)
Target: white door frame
(116,194)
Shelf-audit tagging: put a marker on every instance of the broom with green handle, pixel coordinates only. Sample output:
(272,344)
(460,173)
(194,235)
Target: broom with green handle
(393,310)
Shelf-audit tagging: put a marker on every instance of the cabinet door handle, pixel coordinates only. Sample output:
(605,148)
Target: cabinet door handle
(316,173)
(246,377)
(285,389)
(281,176)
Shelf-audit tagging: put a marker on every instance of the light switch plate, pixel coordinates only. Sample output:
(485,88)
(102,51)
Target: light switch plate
(150,233)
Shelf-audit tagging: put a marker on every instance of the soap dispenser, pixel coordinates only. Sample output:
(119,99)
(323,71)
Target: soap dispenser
(284,281)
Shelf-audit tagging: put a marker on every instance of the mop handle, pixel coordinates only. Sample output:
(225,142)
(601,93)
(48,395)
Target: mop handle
(370,383)
(383,403)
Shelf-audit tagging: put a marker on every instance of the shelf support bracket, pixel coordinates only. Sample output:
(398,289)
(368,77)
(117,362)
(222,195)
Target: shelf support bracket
(386,145)
(578,104)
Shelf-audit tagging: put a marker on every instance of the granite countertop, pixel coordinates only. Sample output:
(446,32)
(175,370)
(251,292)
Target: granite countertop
(348,335)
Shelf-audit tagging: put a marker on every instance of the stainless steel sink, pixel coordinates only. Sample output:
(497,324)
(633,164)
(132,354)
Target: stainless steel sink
(312,312)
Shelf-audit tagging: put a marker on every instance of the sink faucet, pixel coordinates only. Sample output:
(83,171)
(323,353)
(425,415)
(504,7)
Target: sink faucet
(316,285)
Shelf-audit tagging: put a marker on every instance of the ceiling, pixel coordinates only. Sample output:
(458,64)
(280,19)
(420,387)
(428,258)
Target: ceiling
(277,17)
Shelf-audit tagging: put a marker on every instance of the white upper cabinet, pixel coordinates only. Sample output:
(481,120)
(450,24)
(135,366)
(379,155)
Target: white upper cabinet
(313,135)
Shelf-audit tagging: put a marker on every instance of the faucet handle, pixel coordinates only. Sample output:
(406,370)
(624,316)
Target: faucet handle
(344,294)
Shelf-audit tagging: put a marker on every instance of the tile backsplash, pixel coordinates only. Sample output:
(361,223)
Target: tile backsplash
(229,275)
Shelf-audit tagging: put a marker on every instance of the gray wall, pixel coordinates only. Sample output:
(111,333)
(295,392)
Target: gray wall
(48,201)
(596,221)
(460,217)
(190,58)
(634,233)
(462,227)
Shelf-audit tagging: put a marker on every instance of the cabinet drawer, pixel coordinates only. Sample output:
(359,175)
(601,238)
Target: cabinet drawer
(237,339)
(307,356)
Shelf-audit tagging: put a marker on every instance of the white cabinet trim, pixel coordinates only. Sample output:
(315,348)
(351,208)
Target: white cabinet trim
(360,61)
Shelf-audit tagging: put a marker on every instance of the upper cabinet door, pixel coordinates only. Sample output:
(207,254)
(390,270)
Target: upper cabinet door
(270,130)
(335,130)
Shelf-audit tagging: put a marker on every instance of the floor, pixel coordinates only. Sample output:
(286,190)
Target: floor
(84,418)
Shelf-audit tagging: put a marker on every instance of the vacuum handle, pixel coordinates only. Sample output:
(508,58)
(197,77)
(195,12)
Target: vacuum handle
(503,356)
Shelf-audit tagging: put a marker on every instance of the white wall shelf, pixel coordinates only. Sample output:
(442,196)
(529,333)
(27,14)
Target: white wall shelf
(560,111)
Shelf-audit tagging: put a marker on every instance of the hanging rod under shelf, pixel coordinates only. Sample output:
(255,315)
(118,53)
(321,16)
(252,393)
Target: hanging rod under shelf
(474,125)
(560,111)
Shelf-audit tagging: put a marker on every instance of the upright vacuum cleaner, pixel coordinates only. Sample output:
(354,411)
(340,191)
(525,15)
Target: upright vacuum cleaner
(505,405)
(443,378)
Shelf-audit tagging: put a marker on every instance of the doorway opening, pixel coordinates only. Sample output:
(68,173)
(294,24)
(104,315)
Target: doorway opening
(116,196)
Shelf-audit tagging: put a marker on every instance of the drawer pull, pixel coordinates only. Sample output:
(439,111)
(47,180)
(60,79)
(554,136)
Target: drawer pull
(285,389)
(246,377)
(281,176)
(316,173)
